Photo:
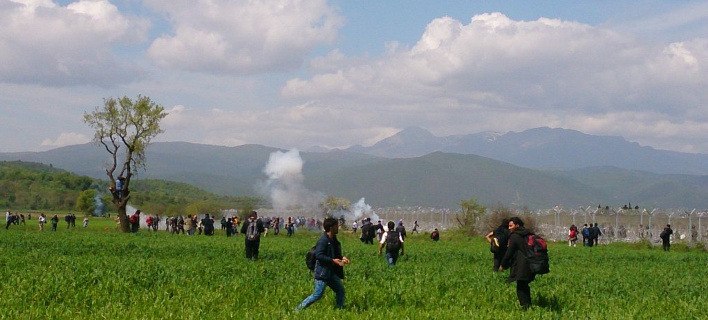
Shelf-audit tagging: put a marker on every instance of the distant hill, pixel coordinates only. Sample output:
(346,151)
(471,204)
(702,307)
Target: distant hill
(35,186)
(542,148)
(438,178)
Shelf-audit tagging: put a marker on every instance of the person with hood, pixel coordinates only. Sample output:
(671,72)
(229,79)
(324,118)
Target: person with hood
(252,228)
(329,268)
(516,259)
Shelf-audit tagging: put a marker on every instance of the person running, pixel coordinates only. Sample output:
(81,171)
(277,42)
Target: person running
(329,268)
(514,258)
(393,240)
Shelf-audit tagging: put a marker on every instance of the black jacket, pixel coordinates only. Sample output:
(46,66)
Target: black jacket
(515,257)
(259,226)
(327,249)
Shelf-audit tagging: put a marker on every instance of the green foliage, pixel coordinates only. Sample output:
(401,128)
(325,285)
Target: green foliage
(85,202)
(470,215)
(93,274)
(35,186)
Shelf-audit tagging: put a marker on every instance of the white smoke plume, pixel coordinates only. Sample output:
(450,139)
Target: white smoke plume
(361,210)
(285,185)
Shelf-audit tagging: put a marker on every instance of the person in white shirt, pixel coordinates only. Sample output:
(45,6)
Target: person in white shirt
(393,240)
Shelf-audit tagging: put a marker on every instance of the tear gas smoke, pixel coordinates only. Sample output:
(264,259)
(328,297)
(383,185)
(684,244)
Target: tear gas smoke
(285,185)
(287,192)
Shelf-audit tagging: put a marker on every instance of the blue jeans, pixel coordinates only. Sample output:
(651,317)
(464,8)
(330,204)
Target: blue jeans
(391,258)
(334,283)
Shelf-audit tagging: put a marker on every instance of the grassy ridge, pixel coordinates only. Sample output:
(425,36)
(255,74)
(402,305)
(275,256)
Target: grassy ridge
(97,273)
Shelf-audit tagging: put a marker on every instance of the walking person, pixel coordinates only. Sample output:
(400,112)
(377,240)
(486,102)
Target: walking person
(329,268)
(572,236)
(252,228)
(665,236)
(8,219)
(586,235)
(415,227)
(393,240)
(42,220)
(595,233)
(55,222)
(498,240)
(516,259)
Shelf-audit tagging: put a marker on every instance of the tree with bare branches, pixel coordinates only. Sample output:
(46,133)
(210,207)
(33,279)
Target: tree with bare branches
(131,124)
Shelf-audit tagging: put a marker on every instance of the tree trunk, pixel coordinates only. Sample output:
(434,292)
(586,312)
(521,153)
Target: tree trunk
(123,218)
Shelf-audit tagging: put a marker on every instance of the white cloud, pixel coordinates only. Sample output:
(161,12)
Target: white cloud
(66,45)
(66,139)
(242,37)
(499,74)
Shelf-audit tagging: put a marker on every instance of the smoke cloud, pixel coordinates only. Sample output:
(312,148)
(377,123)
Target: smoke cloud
(285,185)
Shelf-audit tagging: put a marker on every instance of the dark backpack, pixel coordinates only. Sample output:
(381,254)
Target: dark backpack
(393,243)
(537,254)
(499,241)
(586,232)
(311,258)
(252,231)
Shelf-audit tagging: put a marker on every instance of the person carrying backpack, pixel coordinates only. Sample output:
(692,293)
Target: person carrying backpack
(516,259)
(252,228)
(586,235)
(665,236)
(498,239)
(393,240)
(329,267)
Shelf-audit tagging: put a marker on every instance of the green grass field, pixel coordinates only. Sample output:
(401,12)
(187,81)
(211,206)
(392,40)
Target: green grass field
(99,273)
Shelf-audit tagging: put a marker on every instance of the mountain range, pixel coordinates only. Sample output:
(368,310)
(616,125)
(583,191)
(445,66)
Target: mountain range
(537,169)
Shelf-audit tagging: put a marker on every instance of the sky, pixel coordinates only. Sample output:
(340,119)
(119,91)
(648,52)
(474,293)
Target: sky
(303,73)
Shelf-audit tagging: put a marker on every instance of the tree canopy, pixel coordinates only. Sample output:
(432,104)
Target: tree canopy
(129,124)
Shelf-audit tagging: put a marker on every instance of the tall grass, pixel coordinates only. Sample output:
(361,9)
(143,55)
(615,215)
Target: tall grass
(96,273)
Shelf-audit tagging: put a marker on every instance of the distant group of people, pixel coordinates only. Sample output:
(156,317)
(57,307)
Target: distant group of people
(19,219)
(13,218)
(591,234)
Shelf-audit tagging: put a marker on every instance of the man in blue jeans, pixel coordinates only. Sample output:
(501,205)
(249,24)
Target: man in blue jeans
(329,268)
(393,241)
